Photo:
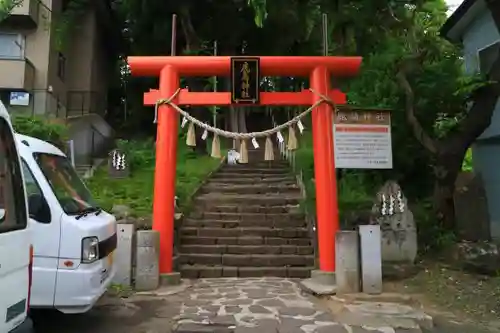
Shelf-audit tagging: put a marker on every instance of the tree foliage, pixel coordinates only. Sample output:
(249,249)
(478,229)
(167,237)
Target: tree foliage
(408,67)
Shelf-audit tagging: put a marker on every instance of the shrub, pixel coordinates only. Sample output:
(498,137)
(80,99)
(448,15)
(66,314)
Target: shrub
(467,164)
(137,190)
(40,128)
(139,153)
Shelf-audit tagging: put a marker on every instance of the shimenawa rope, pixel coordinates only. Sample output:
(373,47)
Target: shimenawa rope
(292,140)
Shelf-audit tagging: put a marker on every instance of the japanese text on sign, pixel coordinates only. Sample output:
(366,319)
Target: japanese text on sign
(245,80)
(362,140)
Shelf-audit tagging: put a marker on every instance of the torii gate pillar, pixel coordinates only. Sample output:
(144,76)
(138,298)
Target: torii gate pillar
(319,70)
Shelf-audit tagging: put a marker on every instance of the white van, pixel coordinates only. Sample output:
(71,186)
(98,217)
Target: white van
(15,236)
(73,238)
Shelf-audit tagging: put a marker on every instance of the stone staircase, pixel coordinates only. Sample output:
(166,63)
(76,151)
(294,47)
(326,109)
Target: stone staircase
(246,222)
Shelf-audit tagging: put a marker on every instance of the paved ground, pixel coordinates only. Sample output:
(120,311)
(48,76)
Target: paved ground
(261,305)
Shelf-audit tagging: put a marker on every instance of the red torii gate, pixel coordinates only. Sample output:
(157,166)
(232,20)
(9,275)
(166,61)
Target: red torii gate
(318,69)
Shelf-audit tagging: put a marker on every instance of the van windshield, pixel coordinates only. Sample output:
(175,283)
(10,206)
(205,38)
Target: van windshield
(69,189)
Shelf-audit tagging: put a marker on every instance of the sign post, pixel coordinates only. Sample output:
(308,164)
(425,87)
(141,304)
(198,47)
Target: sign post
(363,139)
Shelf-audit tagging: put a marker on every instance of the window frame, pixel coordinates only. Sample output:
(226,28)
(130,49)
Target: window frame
(19,197)
(61,66)
(24,163)
(20,40)
(36,156)
(482,67)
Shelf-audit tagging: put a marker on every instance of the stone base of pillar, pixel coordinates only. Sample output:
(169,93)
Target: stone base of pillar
(321,283)
(170,279)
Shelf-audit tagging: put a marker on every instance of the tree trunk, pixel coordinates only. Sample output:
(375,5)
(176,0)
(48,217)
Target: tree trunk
(194,84)
(242,119)
(446,168)
(494,7)
(450,152)
(233,118)
(200,113)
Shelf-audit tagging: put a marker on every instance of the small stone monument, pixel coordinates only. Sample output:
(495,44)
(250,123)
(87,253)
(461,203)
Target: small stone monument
(118,164)
(399,232)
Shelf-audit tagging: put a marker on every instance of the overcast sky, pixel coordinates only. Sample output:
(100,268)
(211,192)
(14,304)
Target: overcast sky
(453,4)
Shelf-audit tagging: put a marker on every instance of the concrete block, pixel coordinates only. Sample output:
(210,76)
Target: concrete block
(371,258)
(321,283)
(124,254)
(347,262)
(147,274)
(170,279)
(323,277)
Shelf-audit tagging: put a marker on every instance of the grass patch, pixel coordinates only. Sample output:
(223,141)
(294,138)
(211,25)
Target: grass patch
(136,191)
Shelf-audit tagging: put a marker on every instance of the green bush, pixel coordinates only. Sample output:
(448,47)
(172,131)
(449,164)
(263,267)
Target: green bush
(467,164)
(137,190)
(356,189)
(40,128)
(139,153)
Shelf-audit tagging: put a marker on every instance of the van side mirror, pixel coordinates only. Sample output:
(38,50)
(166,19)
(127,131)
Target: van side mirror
(39,209)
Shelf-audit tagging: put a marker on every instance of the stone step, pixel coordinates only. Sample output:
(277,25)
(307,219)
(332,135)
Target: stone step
(278,162)
(202,271)
(254,170)
(256,176)
(255,180)
(243,181)
(245,260)
(217,199)
(236,216)
(223,208)
(243,240)
(229,224)
(258,188)
(246,231)
(261,164)
(248,249)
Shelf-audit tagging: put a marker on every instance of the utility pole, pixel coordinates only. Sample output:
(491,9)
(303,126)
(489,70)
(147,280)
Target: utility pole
(173,40)
(214,110)
(325,34)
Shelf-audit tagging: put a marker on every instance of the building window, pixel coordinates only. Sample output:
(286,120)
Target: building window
(487,57)
(61,66)
(11,46)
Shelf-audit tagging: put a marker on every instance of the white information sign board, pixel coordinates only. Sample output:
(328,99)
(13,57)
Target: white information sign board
(362,140)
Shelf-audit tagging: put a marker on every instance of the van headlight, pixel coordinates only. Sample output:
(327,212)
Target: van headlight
(90,250)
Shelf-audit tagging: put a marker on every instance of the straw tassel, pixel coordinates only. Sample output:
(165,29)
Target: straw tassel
(243,152)
(191,136)
(216,147)
(292,139)
(269,150)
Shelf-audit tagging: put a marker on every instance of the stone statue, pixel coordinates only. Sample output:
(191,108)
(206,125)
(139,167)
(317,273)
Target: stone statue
(399,232)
